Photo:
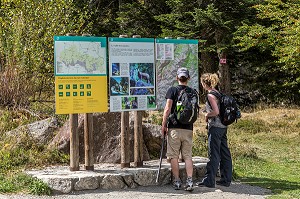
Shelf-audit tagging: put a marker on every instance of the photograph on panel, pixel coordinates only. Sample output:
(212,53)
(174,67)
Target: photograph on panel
(141,91)
(119,86)
(151,102)
(141,75)
(129,102)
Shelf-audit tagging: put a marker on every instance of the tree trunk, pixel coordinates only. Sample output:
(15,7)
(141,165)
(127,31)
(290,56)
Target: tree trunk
(224,74)
(207,63)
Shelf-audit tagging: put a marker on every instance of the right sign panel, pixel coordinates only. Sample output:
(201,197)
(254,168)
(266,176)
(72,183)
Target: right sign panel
(172,54)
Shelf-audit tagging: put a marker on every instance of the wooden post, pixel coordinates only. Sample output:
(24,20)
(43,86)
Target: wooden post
(88,136)
(88,141)
(138,134)
(125,141)
(74,137)
(74,143)
(138,139)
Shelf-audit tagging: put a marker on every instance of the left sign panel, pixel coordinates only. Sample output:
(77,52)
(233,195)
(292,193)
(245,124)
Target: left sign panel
(80,74)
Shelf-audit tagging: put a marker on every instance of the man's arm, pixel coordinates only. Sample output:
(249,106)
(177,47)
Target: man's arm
(167,112)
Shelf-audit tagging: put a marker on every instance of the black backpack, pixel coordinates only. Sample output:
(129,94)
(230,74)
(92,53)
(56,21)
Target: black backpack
(229,109)
(187,108)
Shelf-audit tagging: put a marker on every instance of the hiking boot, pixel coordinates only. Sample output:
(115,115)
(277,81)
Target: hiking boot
(177,184)
(189,184)
(223,183)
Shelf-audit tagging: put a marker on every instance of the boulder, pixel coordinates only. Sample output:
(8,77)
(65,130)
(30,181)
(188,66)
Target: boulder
(107,129)
(41,131)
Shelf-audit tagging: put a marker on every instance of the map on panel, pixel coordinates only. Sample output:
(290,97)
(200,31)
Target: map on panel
(75,57)
(171,55)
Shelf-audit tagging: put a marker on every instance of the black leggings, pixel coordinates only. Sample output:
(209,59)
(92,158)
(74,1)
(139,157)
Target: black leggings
(219,154)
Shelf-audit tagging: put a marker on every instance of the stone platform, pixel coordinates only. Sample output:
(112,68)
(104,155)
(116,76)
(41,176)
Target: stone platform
(110,176)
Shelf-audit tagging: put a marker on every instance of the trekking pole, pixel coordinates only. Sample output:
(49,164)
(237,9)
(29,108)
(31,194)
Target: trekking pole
(160,158)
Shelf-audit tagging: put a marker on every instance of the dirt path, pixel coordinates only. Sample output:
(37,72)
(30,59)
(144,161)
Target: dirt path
(235,191)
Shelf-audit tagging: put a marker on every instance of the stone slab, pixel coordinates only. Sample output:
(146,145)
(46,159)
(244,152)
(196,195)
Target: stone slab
(112,176)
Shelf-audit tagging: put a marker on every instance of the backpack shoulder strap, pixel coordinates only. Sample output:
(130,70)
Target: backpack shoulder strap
(179,90)
(217,94)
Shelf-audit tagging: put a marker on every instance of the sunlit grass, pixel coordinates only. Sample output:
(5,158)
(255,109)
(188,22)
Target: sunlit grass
(265,146)
(21,152)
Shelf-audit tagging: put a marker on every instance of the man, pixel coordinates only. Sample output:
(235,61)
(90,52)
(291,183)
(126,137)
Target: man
(180,136)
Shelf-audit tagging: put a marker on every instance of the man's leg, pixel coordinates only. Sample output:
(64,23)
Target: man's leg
(189,186)
(173,147)
(175,167)
(187,144)
(189,167)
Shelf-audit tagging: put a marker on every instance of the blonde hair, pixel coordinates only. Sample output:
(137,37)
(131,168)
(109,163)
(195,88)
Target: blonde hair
(210,79)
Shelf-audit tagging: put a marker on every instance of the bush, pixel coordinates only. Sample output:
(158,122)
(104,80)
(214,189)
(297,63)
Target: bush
(19,182)
(16,88)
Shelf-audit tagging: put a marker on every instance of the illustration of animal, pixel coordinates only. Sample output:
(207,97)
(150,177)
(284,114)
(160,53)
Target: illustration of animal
(144,76)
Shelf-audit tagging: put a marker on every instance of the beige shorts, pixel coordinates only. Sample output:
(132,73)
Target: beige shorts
(180,139)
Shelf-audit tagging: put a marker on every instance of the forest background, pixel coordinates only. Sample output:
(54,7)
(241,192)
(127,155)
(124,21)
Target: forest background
(260,40)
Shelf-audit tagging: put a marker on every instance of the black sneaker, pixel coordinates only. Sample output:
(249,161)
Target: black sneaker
(189,184)
(223,183)
(177,184)
(202,184)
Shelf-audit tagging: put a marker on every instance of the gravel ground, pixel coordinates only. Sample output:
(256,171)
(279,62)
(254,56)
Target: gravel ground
(235,191)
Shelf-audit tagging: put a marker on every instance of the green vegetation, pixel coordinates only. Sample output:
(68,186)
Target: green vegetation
(259,38)
(22,152)
(265,146)
(18,182)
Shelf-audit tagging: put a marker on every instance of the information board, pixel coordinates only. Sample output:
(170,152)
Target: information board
(80,74)
(172,54)
(131,74)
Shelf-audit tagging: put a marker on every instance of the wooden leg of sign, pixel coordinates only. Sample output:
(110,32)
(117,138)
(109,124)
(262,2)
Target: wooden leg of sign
(138,139)
(74,143)
(125,141)
(88,141)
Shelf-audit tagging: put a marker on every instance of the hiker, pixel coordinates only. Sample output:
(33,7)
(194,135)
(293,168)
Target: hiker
(179,136)
(218,151)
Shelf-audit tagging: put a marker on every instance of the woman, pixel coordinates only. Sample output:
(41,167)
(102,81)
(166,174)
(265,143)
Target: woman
(218,151)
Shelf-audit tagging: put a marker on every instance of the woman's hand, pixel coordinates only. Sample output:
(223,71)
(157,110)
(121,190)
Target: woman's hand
(206,117)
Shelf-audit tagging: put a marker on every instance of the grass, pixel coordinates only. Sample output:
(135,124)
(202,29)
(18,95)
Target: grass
(22,152)
(265,146)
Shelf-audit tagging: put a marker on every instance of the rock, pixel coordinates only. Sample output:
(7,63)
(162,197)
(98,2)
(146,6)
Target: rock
(109,176)
(86,183)
(152,139)
(112,182)
(107,129)
(62,185)
(41,131)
